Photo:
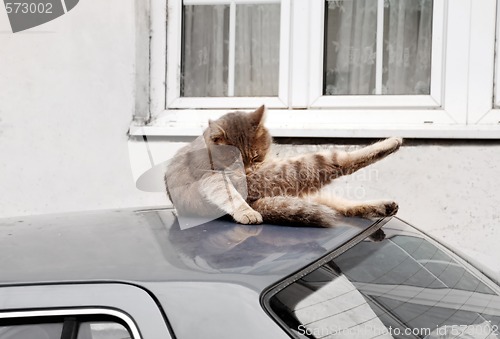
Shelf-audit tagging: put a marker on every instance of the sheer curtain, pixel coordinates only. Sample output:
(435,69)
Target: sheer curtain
(351,38)
(407,53)
(257,50)
(351,47)
(206,50)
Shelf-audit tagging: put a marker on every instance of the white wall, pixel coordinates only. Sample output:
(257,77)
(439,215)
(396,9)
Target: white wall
(66,101)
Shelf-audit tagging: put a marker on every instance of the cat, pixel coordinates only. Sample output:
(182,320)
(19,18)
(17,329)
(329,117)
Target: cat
(204,177)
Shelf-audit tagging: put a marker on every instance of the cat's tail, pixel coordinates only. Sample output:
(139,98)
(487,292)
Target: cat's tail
(295,211)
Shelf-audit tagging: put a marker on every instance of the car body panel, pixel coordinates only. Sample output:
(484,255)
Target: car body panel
(215,310)
(208,279)
(148,246)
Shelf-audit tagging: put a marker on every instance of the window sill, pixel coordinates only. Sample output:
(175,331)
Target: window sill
(328,124)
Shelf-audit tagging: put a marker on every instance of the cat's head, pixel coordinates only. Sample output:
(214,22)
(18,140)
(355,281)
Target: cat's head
(244,131)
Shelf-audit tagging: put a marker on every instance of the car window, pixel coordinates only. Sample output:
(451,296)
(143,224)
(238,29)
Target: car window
(402,287)
(31,331)
(102,330)
(62,328)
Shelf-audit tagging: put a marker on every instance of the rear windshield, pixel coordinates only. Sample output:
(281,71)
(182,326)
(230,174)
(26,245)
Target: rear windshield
(405,286)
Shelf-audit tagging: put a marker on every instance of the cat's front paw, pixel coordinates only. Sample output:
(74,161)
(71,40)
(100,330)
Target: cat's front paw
(248,216)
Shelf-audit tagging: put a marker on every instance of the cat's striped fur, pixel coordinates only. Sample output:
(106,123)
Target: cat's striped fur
(279,190)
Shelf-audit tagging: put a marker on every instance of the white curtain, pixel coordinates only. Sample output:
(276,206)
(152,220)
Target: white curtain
(257,50)
(407,52)
(351,50)
(205,58)
(205,51)
(351,39)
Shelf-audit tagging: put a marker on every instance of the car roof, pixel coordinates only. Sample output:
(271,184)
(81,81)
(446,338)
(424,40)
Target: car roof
(142,246)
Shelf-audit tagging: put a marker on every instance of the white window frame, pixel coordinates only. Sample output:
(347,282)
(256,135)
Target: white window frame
(484,89)
(460,104)
(174,34)
(316,97)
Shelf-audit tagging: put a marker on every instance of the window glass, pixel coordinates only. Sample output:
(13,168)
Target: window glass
(350,47)
(367,52)
(230,53)
(401,287)
(257,50)
(102,330)
(440,265)
(205,51)
(59,328)
(407,47)
(31,331)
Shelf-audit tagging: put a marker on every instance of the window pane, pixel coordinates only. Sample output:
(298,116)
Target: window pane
(407,47)
(376,289)
(31,331)
(214,64)
(351,63)
(350,47)
(257,50)
(441,265)
(205,50)
(102,330)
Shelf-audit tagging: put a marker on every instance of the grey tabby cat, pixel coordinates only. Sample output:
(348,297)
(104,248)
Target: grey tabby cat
(203,180)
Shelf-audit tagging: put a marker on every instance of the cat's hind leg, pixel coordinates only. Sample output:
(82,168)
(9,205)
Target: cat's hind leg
(362,209)
(286,210)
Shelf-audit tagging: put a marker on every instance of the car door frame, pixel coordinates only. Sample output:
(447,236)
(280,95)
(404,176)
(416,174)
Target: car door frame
(130,303)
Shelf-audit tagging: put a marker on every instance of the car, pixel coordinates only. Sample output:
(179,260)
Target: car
(138,274)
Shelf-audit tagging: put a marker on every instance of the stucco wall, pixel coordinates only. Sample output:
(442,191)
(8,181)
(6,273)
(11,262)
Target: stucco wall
(66,101)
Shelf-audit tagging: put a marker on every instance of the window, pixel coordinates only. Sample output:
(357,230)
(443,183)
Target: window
(240,49)
(64,327)
(377,53)
(377,47)
(226,53)
(405,286)
(59,301)
(230,50)
(329,68)
(29,331)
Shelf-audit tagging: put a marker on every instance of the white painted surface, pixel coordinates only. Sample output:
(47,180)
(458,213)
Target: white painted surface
(66,102)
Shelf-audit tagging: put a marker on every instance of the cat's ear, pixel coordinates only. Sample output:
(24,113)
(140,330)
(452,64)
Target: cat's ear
(216,132)
(258,116)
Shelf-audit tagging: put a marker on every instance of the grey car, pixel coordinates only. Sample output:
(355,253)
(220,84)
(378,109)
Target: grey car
(139,274)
